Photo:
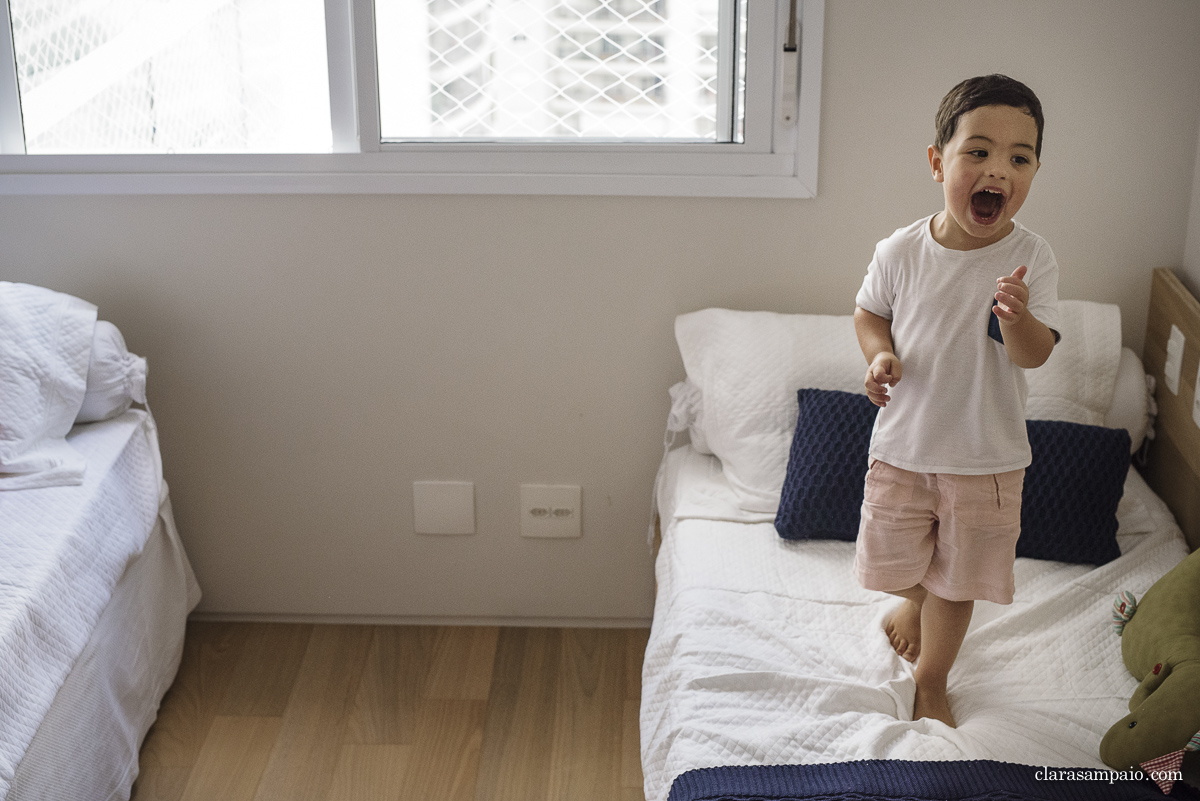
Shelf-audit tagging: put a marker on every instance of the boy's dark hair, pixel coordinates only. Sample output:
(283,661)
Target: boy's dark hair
(986,90)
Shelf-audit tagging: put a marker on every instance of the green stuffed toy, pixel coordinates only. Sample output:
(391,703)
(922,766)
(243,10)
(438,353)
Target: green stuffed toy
(1160,645)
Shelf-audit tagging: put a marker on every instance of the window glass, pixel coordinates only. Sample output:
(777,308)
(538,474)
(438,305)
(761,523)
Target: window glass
(561,97)
(560,69)
(172,76)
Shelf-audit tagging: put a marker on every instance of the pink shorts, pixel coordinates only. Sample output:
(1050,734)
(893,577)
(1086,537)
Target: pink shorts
(954,535)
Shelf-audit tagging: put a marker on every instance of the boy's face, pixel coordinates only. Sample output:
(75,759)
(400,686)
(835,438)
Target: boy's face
(985,172)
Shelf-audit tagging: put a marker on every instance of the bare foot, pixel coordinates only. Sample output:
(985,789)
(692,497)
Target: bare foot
(903,629)
(932,703)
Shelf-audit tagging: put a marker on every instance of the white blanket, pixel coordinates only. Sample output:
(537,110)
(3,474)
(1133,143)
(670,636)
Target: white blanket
(765,651)
(62,550)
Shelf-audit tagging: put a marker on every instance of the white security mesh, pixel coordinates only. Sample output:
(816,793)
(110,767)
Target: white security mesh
(629,69)
(172,76)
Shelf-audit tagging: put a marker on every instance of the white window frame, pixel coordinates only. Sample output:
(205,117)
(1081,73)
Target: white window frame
(778,158)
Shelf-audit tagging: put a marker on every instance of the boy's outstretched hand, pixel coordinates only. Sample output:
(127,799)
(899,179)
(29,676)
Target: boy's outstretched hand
(885,369)
(1012,296)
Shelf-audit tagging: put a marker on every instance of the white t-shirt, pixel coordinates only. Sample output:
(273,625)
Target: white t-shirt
(960,404)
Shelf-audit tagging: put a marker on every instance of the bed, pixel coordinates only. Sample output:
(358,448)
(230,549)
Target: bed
(95,586)
(767,674)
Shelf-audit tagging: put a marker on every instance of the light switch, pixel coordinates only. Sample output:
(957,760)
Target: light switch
(1196,400)
(444,507)
(1174,362)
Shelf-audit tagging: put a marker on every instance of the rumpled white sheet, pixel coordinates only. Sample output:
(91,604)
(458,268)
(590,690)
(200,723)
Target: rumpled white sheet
(765,651)
(45,346)
(62,551)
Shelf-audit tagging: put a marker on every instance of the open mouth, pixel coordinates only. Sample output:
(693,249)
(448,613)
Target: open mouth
(986,205)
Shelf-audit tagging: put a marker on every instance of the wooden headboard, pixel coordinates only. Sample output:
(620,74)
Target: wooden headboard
(1173,464)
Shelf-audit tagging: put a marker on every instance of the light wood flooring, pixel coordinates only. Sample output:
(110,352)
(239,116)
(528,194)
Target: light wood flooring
(262,711)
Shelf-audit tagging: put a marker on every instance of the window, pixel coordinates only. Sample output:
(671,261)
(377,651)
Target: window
(649,97)
(559,69)
(146,76)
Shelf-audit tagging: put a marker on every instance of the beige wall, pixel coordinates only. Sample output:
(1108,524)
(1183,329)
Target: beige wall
(1190,274)
(310,357)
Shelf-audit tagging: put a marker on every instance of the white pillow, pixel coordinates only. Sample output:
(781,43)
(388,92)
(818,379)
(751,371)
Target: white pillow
(1076,383)
(115,377)
(743,370)
(747,367)
(45,343)
(687,414)
(1131,401)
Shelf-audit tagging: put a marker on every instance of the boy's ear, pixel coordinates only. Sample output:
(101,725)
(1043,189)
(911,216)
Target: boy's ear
(935,164)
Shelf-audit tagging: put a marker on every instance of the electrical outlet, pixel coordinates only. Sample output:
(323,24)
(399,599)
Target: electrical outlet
(551,510)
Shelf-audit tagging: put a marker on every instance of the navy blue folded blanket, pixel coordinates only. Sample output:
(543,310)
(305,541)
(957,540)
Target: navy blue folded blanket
(900,780)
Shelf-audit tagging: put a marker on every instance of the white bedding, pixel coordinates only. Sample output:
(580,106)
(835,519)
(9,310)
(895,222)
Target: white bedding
(88,744)
(62,551)
(45,345)
(766,651)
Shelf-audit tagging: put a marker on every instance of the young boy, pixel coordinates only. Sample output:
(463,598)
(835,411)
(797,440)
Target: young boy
(942,508)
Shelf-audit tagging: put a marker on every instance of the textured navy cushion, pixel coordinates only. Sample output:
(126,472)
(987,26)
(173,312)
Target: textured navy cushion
(1068,504)
(900,780)
(1072,488)
(827,466)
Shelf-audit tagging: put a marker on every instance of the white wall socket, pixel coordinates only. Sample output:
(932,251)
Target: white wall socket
(443,507)
(551,510)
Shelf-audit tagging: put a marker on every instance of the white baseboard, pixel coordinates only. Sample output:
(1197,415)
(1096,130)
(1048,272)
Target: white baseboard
(401,620)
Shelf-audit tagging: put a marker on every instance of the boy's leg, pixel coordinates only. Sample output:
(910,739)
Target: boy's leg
(979,523)
(903,624)
(943,626)
(895,545)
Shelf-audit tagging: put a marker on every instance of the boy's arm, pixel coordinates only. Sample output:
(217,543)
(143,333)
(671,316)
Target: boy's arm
(875,339)
(1028,341)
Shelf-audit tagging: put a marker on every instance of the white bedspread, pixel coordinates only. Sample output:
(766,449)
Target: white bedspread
(62,550)
(765,651)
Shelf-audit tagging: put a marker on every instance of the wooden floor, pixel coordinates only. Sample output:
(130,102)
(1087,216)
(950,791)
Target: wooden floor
(340,713)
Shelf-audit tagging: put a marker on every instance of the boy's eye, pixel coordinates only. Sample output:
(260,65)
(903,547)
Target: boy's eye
(982,154)
(1021,160)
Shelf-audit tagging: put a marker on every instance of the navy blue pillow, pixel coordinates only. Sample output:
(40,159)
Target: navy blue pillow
(1072,488)
(827,466)
(1068,504)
